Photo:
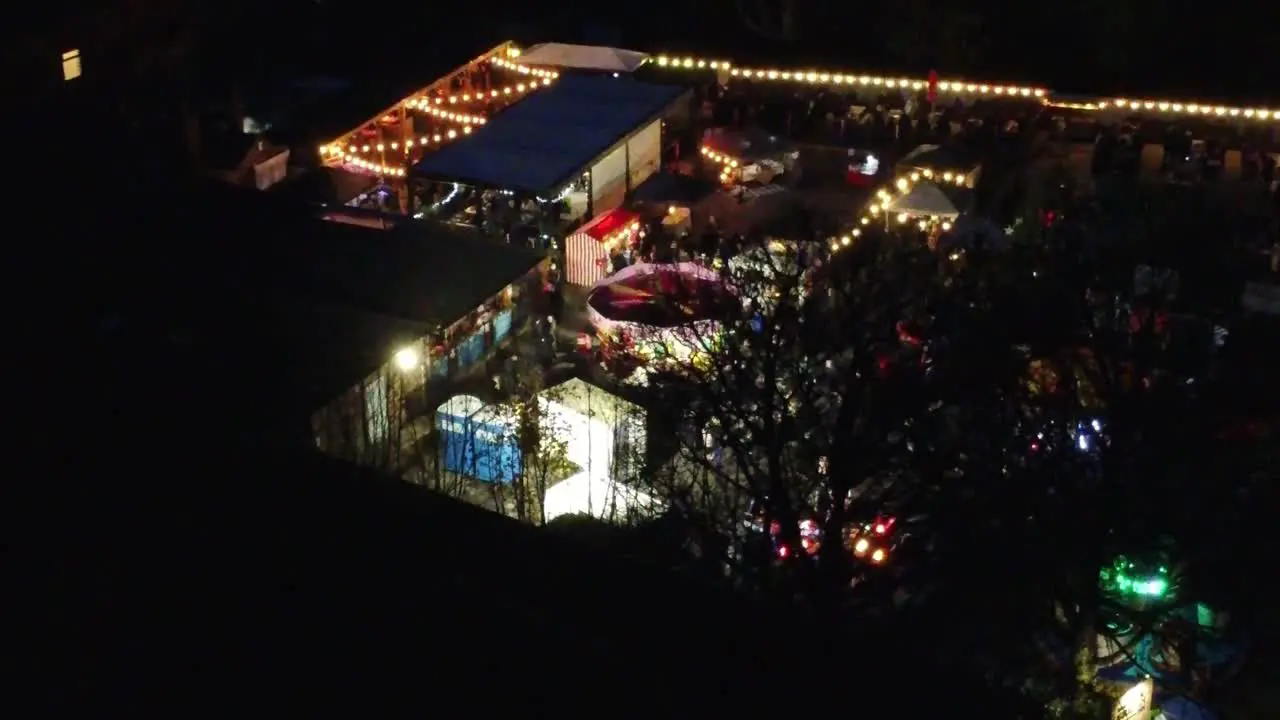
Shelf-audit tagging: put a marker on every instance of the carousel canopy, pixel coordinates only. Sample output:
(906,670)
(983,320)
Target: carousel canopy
(584,57)
(926,199)
(550,137)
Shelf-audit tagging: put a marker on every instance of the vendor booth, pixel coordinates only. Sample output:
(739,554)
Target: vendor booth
(589,250)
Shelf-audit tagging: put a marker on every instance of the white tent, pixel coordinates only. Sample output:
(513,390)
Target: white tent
(584,57)
(925,199)
(599,497)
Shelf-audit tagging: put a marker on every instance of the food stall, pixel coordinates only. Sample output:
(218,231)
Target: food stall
(589,249)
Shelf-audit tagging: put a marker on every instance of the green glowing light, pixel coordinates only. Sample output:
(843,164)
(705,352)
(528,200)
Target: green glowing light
(1125,579)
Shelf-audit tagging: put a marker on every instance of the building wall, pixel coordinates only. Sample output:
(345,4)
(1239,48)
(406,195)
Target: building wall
(370,423)
(366,423)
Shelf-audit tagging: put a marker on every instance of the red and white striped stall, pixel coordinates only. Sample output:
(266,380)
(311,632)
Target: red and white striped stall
(588,249)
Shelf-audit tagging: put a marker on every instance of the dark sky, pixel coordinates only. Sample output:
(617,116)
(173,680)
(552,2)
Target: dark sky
(1224,50)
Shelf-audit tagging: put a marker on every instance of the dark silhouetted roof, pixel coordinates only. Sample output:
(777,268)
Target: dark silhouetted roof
(544,140)
(325,185)
(432,273)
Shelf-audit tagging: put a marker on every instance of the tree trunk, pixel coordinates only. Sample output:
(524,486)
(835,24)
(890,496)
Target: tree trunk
(1084,651)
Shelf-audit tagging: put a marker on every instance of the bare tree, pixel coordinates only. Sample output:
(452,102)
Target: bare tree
(541,440)
(793,407)
(770,19)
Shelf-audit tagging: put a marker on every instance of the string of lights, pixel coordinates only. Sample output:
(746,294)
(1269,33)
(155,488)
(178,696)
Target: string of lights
(513,66)
(821,77)
(424,105)
(349,150)
(727,164)
(448,198)
(354,155)
(493,94)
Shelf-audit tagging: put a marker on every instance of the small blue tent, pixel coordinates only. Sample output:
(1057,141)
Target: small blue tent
(478,441)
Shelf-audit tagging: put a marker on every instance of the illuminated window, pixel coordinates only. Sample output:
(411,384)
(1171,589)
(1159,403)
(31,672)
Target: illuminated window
(70,65)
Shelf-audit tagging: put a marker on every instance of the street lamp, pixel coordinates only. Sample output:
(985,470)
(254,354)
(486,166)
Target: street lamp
(407,359)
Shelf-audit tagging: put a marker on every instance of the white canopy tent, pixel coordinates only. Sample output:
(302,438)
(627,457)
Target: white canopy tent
(925,199)
(604,437)
(584,57)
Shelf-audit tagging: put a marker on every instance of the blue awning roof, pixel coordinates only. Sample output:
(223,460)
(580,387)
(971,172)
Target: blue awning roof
(541,142)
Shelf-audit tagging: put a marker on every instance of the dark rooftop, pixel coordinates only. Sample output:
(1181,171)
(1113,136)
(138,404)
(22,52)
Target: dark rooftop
(424,272)
(541,142)
(325,185)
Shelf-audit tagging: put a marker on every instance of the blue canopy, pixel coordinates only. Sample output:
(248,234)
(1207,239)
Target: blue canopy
(543,141)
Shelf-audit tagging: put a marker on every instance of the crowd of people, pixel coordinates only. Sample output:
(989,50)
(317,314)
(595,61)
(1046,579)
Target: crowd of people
(1187,154)
(502,215)
(860,119)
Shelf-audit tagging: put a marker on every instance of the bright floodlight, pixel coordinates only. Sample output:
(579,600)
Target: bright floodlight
(407,359)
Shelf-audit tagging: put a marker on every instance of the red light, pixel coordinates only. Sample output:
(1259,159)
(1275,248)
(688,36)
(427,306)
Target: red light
(782,551)
(881,529)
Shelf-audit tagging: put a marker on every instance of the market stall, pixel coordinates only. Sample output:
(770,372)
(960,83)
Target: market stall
(589,249)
